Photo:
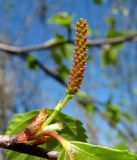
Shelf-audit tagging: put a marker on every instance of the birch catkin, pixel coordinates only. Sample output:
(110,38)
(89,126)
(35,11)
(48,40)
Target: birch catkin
(80,56)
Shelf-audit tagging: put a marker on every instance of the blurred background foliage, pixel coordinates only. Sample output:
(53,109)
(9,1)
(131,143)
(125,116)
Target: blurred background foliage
(107,102)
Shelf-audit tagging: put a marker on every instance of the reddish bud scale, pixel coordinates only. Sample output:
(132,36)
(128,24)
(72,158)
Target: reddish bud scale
(77,71)
(40,140)
(33,128)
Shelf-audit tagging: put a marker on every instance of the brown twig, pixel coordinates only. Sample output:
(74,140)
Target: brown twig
(115,40)
(10,142)
(48,45)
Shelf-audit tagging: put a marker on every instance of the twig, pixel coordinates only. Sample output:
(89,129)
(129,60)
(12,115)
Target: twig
(49,44)
(121,39)
(10,142)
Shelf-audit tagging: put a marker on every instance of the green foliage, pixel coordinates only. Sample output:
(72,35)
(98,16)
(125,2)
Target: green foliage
(84,151)
(97,1)
(114,33)
(110,52)
(60,54)
(127,116)
(111,21)
(121,146)
(109,55)
(62,51)
(32,62)
(59,38)
(84,99)
(62,19)
(114,114)
(90,32)
(63,71)
(72,130)
(20,122)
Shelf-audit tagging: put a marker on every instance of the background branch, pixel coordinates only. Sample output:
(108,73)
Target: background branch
(49,44)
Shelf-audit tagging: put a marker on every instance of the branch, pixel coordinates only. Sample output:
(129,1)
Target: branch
(115,40)
(49,44)
(37,47)
(10,142)
(50,73)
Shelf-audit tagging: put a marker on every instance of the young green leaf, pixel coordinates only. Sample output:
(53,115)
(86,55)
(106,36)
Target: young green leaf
(109,55)
(85,151)
(62,19)
(32,62)
(97,2)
